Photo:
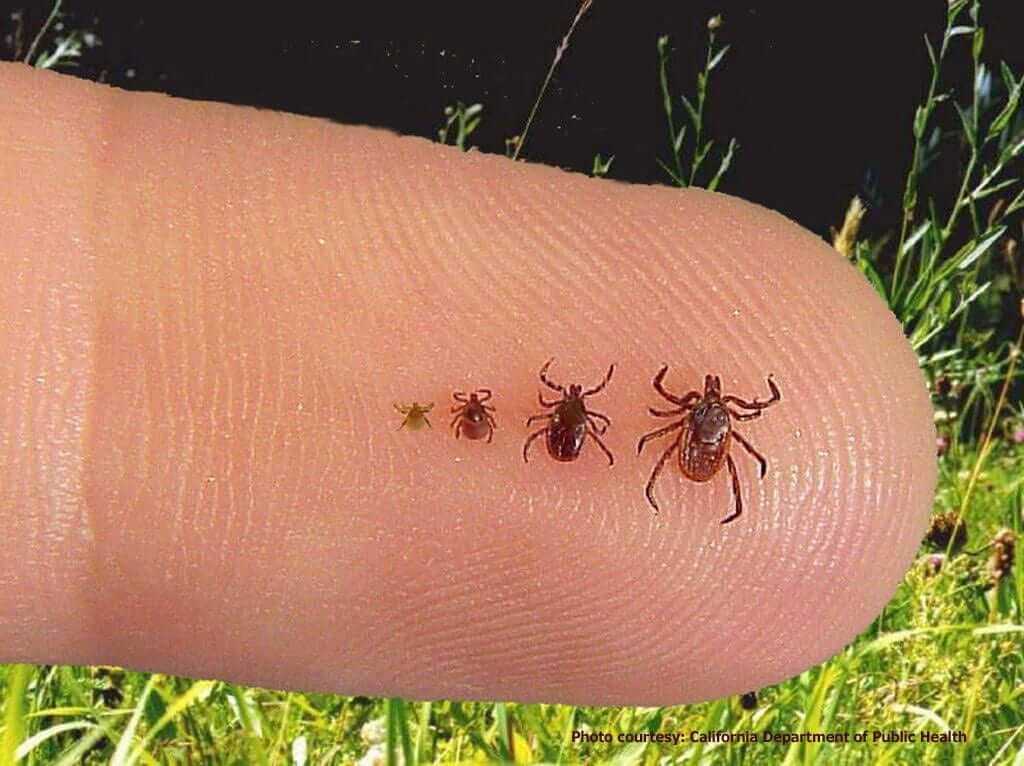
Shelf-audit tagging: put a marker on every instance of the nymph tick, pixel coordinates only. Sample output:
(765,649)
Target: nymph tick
(706,433)
(571,422)
(415,415)
(472,417)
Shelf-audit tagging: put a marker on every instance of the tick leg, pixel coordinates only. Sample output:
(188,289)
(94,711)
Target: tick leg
(540,398)
(427,421)
(400,408)
(459,396)
(656,434)
(603,383)
(455,420)
(735,491)
(487,394)
(595,437)
(661,389)
(599,416)
(458,429)
(757,404)
(756,455)
(743,416)
(688,399)
(458,407)
(530,441)
(538,417)
(544,377)
(649,491)
(669,413)
(488,407)
(599,428)
(490,420)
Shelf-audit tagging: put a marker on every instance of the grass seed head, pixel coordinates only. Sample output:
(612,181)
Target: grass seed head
(845,240)
(1001,561)
(945,527)
(933,563)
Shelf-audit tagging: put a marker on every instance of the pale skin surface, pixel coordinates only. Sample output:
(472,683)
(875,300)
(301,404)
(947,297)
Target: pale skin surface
(210,311)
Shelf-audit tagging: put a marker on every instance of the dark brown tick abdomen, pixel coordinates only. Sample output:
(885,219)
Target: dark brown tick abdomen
(568,429)
(474,423)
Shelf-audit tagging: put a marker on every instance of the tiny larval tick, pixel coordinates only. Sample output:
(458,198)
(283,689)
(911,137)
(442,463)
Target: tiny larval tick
(415,415)
(571,422)
(705,433)
(472,417)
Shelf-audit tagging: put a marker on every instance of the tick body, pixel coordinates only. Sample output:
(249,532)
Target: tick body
(706,433)
(415,415)
(570,422)
(473,418)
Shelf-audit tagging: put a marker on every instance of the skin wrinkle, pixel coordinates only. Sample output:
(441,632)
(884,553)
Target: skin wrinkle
(186,488)
(205,394)
(536,289)
(576,591)
(577,273)
(452,238)
(569,270)
(230,326)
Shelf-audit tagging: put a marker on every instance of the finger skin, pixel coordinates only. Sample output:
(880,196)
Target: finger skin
(228,303)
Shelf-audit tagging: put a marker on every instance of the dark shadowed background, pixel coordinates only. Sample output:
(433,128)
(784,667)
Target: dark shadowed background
(820,96)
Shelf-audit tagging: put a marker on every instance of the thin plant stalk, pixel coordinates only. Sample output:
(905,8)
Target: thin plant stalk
(986,444)
(42,32)
(559,52)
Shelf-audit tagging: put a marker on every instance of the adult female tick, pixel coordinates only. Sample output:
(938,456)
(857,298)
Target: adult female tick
(705,434)
(472,417)
(571,422)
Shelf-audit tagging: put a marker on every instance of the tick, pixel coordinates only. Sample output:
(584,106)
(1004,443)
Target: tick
(415,415)
(472,417)
(705,433)
(571,422)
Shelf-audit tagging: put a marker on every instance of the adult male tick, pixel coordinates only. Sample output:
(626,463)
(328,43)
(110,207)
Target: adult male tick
(571,422)
(705,434)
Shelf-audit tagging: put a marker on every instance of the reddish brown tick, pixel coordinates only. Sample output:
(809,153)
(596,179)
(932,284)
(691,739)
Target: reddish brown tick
(571,422)
(705,433)
(472,417)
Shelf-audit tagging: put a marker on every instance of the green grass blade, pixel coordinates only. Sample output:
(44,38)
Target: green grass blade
(423,749)
(30,744)
(125,742)
(398,732)
(14,712)
(198,691)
